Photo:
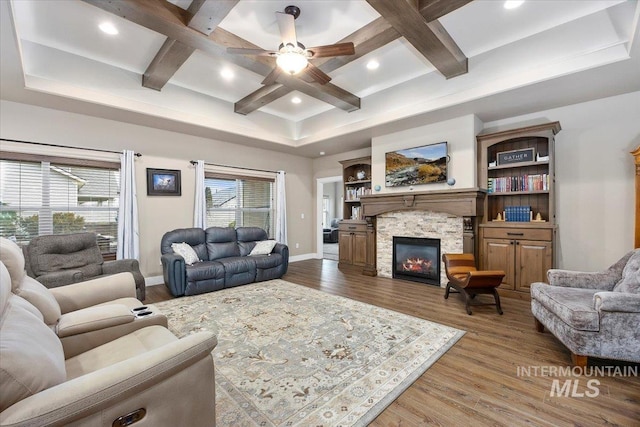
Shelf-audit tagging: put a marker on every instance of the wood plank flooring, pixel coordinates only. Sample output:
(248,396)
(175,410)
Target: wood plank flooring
(476,382)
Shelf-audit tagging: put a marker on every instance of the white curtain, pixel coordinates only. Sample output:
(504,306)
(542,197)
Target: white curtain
(281,209)
(128,233)
(200,208)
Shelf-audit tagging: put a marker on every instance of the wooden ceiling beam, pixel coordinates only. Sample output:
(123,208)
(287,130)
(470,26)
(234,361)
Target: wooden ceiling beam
(428,37)
(170,20)
(166,18)
(328,92)
(436,9)
(367,39)
(203,16)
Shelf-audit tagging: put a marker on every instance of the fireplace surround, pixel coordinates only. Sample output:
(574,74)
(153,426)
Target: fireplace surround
(462,209)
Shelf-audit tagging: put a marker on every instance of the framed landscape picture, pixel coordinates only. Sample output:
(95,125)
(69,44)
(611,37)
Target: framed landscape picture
(163,182)
(413,166)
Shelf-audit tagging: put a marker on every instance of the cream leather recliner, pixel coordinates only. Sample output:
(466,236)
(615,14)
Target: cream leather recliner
(145,378)
(86,314)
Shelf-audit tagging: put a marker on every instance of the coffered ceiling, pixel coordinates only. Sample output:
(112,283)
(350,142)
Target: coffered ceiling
(436,59)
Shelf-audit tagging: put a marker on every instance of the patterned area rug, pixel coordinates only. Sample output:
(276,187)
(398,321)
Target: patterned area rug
(288,355)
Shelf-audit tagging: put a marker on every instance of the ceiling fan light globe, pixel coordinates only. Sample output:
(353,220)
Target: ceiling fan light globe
(292,62)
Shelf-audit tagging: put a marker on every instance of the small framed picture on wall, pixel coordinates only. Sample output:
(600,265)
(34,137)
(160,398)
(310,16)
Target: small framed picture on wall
(163,182)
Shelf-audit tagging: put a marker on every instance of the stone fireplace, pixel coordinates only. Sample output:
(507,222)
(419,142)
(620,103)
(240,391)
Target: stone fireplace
(448,229)
(452,216)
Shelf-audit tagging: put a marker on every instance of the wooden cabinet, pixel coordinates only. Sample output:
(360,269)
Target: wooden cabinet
(523,254)
(517,167)
(352,231)
(352,243)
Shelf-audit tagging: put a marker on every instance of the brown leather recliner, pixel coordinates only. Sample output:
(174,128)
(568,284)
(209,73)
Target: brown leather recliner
(469,282)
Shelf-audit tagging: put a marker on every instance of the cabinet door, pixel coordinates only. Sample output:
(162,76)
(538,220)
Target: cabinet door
(345,247)
(499,254)
(359,248)
(533,259)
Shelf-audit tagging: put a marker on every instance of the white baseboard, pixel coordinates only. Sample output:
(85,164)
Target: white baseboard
(303,257)
(154,280)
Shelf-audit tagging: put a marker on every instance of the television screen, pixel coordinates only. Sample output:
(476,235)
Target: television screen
(414,166)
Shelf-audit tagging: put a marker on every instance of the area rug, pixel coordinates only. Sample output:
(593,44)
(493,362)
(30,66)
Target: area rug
(288,355)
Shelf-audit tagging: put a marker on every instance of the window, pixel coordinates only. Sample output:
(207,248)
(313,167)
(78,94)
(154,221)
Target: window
(240,201)
(57,196)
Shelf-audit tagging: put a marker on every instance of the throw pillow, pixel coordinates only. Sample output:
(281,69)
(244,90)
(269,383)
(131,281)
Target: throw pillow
(263,247)
(186,252)
(630,281)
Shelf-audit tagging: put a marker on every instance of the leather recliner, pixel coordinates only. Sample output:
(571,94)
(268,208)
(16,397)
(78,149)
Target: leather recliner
(224,259)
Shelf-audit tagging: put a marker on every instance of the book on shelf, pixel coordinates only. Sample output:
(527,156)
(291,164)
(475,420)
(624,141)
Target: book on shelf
(354,193)
(521,183)
(355,212)
(517,213)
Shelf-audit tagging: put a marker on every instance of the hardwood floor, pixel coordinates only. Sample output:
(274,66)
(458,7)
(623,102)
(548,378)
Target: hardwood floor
(476,382)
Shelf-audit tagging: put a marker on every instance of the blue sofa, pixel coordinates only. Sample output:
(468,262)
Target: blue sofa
(225,263)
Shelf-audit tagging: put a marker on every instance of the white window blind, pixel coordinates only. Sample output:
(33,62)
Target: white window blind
(51,197)
(240,201)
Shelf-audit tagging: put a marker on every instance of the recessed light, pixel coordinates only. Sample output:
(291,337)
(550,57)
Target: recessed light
(512,4)
(227,74)
(373,64)
(109,28)
(296,100)
(322,153)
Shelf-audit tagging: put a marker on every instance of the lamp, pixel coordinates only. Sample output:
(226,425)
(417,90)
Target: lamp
(292,59)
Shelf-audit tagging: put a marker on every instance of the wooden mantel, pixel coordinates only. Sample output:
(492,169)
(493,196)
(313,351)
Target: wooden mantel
(466,202)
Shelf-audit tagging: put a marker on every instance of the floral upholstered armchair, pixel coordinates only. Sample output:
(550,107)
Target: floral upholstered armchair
(593,314)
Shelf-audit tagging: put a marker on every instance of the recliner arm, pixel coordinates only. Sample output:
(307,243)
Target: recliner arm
(603,280)
(174,271)
(60,278)
(105,388)
(617,301)
(96,291)
(92,319)
(120,266)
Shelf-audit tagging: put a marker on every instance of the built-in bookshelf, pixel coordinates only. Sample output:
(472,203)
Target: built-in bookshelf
(357,182)
(518,228)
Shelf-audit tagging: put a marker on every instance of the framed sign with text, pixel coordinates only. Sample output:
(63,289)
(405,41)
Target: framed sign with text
(516,156)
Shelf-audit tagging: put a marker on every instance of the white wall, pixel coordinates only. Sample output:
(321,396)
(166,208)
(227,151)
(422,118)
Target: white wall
(460,134)
(165,150)
(594,178)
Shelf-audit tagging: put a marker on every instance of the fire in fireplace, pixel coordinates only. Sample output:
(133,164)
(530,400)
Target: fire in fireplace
(417,259)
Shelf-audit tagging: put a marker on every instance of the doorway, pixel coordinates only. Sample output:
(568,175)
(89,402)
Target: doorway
(329,202)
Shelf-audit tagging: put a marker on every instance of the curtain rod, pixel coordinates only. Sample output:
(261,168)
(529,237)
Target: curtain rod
(194,162)
(64,146)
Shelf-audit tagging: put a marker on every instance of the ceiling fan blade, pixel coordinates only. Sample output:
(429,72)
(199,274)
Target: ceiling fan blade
(287,28)
(244,51)
(317,74)
(272,77)
(338,49)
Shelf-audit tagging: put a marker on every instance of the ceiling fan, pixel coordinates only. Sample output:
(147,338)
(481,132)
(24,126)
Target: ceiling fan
(292,56)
